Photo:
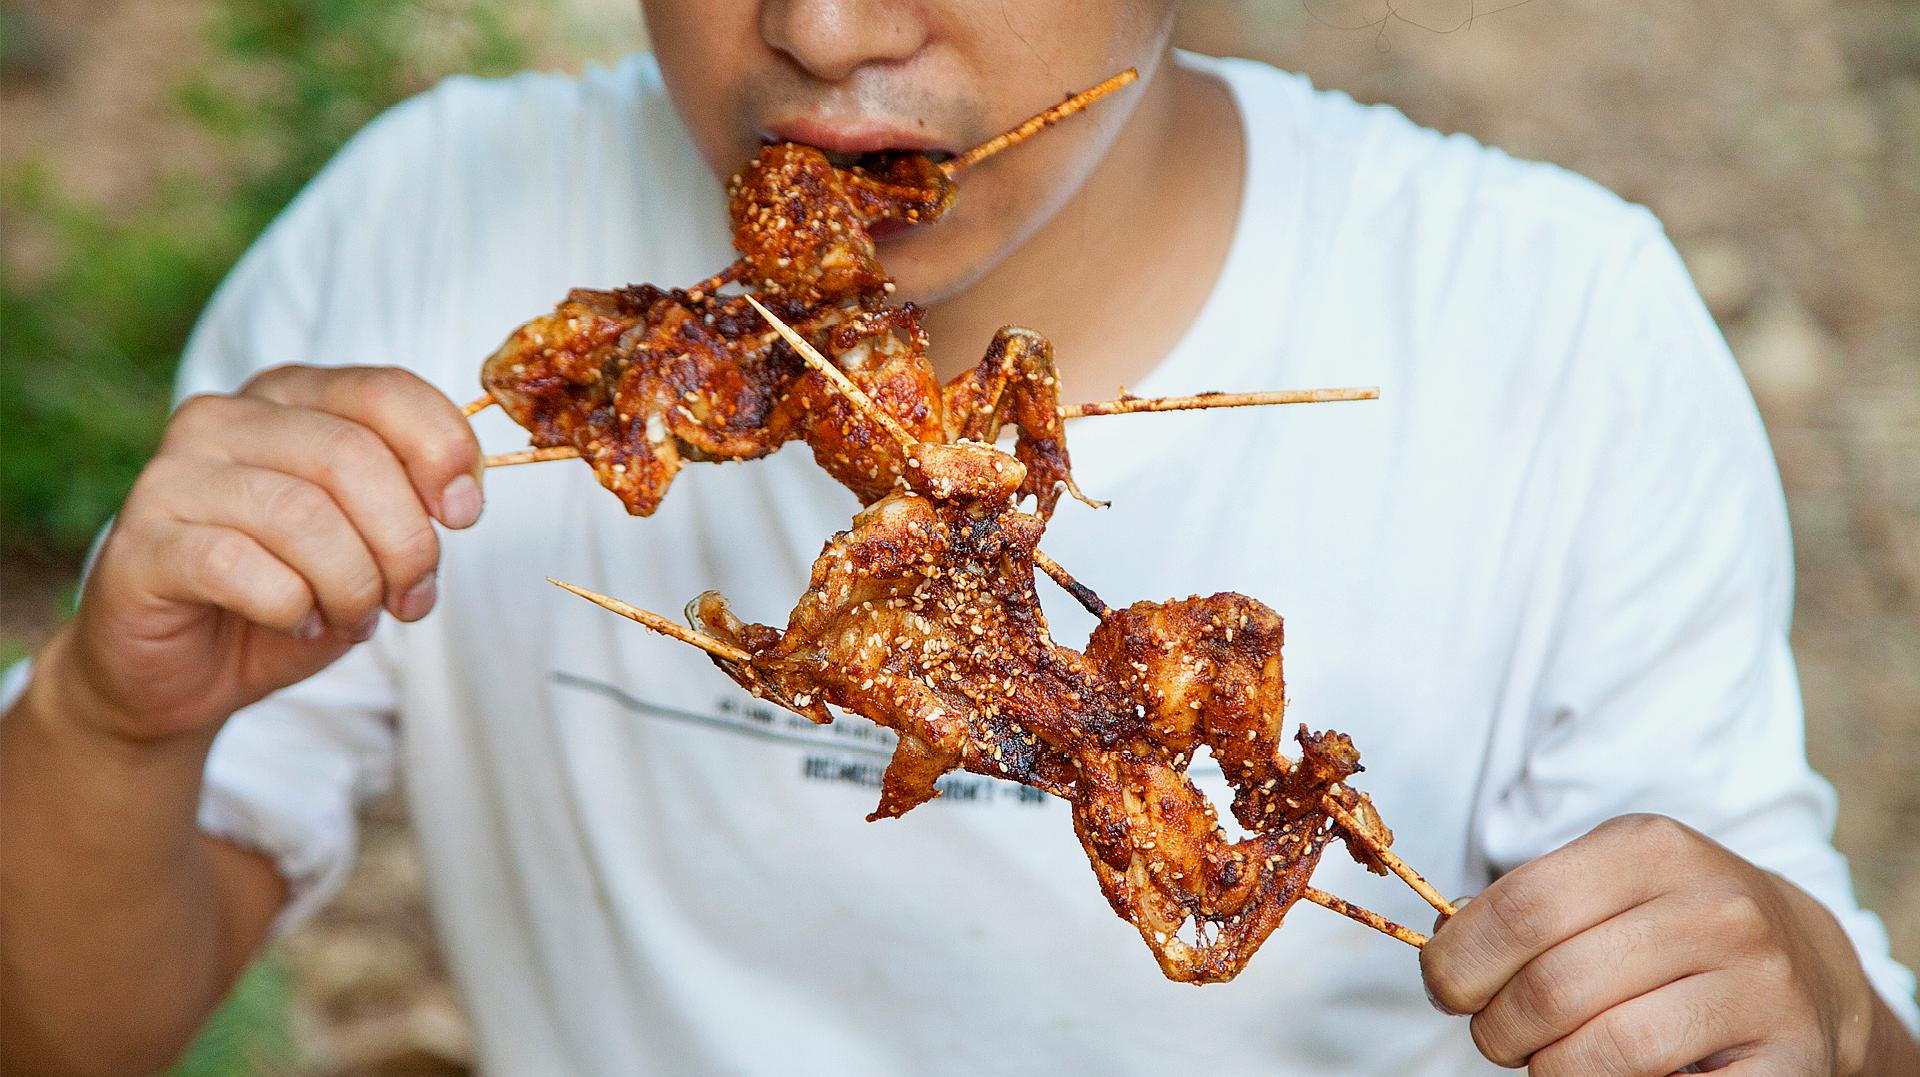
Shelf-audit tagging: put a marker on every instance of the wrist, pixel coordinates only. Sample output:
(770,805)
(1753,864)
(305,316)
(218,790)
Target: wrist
(65,713)
(1889,1046)
(1856,1018)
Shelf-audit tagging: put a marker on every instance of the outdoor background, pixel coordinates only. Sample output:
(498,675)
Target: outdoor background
(142,144)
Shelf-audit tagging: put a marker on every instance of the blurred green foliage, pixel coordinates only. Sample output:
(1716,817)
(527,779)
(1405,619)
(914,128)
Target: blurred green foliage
(90,344)
(250,1036)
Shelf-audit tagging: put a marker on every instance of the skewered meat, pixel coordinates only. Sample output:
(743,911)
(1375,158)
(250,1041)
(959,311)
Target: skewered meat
(641,380)
(923,618)
(800,224)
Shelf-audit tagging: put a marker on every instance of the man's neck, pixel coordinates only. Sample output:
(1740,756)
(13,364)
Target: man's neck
(1117,277)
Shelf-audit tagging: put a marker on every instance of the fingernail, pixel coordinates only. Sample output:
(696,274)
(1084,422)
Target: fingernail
(310,627)
(363,631)
(418,600)
(460,502)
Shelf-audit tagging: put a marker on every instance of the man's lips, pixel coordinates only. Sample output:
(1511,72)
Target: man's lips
(850,140)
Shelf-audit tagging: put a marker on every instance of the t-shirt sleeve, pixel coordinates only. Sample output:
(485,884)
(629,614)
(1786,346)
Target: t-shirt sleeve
(1670,686)
(286,775)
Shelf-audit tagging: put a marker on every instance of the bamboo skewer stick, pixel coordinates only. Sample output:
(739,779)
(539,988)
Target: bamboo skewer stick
(1339,814)
(1387,857)
(1126,405)
(1038,123)
(1133,405)
(730,653)
(1080,591)
(658,623)
(1005,139)
(533,456)
(1364,916)
(838,378)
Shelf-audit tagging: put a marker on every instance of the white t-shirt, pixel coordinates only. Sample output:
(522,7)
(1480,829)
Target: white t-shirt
(1543,581)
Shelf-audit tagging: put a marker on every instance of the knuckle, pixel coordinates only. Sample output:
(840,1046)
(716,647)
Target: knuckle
(221,557)
(274,376)
(1628,1046)
(350,595)
(449,454)
(1550,1001)
(198,406)
(1774,972)
(1522,914)
(1740,917)
(1657,833)
(295,506)
(375,386)
(346,449)
(195,418)
(1493,1035)
(418,549)
(1446,984)
(283,597)
(177,487)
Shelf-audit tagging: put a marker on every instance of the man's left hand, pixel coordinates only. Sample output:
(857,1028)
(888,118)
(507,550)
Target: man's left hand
(1645,948)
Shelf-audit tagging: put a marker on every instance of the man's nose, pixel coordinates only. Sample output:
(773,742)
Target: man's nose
(831,39)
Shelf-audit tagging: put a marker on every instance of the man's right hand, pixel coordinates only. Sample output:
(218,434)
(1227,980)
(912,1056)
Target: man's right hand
(261,542)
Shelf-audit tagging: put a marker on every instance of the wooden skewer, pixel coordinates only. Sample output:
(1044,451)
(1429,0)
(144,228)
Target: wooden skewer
(1333,808)
(658,623)
(1123,406)
(837,377)
(1364,916)
(1038,123)
(1387,856)
(1080,591)
(731,653)
(1130,405)
(533,456)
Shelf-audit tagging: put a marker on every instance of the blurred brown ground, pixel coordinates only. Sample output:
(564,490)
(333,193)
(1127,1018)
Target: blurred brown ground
(1778,139)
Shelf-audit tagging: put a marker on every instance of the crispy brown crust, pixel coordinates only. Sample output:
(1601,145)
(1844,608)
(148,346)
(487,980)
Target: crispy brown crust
(642,380)
(923,617)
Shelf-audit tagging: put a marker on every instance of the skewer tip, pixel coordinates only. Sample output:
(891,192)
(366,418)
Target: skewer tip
(1039,121)
(836,377)
(1365,916)
(1387,857)
(650,619)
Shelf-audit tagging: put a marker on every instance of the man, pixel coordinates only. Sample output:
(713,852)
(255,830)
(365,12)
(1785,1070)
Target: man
(1544,582)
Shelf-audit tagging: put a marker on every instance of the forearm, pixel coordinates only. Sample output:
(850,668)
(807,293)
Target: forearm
(119,925)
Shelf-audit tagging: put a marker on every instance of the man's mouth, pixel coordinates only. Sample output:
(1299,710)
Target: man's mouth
(866,146)
(875,160)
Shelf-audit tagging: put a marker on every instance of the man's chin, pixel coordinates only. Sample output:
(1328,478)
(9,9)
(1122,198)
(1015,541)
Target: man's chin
(931,266)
